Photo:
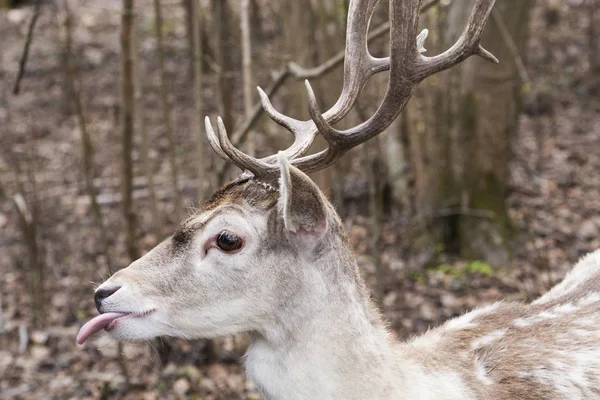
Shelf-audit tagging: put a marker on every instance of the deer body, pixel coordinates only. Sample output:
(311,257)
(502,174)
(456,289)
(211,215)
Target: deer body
(334,339)
(547,350)
(316,333)
(268,255)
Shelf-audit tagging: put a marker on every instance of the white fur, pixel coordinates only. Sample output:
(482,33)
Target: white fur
(285,191)
(489,338)
(318,338)
(587,268)
(465,321)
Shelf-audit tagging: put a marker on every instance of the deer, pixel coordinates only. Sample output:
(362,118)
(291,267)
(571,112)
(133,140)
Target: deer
(267,255)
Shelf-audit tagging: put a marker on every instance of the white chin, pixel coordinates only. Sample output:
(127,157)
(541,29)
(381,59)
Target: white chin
(135,329)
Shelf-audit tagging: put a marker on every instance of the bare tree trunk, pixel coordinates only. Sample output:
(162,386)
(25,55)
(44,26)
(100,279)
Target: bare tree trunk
(246,64)
(188,9)
(87,154)
(396,156)
(300,44)
(594,38)
(167,110)
(1,320)
(28,227)
(27,212)
(143,131)
(224,57)
(87,149)
(375,177)
(28,223)
(256,22)
(163,347)
(191,8)
(127,124)
(66,103)
(462,164)
(220,15)
(397,164)
(127,131)
(203,181)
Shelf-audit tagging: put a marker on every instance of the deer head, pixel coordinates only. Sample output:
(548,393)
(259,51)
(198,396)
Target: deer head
(269,246)
(227,269)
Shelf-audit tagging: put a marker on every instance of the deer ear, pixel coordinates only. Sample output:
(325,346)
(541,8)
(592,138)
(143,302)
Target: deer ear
(301,203)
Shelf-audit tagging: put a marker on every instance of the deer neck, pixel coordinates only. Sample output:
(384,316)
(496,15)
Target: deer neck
(328,334)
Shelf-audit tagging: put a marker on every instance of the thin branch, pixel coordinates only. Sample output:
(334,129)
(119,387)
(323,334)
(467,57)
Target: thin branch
(512,47)
(146,163)
(28,39)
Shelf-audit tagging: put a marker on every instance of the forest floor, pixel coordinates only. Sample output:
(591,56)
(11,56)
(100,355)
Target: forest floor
(554,203)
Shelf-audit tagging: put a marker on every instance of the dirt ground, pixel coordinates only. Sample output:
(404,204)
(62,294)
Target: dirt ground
(554,203)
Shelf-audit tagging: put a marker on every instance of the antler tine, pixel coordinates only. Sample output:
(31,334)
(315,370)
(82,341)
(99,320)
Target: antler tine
(466,45)
(407,69)
(242,160)
(213,140)
(291,124)
(330,134)
(224,148)
(359,66)
(301,130)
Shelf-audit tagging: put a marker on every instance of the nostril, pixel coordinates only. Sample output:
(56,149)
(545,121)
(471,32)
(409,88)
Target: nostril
(102,294)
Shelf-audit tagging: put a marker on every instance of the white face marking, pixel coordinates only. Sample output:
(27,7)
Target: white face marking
(212,297)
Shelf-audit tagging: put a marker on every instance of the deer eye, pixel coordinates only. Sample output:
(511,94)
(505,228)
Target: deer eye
(228,242)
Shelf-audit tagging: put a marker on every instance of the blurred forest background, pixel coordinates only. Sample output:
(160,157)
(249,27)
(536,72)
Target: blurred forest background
(486,187)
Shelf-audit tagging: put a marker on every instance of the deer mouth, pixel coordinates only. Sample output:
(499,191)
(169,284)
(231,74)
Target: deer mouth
(106,321)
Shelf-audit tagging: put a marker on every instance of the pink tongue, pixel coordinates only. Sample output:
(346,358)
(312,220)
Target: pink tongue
(95,325)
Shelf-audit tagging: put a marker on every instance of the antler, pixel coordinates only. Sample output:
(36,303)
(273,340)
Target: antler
(359,66)
(407,69)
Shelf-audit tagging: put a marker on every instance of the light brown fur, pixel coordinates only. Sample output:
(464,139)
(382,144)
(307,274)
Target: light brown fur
(316,333)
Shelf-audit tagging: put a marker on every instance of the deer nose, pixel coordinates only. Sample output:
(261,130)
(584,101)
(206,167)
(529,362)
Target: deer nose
(102,294)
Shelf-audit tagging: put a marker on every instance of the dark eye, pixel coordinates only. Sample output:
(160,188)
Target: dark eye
(228,242)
